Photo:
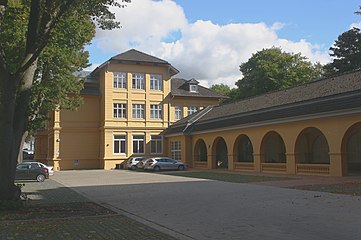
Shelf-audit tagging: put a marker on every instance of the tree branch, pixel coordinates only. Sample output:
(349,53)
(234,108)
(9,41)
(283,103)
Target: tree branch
(44,36)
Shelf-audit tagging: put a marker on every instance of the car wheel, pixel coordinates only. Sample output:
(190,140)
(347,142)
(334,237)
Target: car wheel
(156,168)
(40,178)
(133,167)
(181,168)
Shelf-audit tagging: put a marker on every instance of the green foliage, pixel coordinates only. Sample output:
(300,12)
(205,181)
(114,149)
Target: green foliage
(221,89)
(272,69)
(225,90)
(13,34)
(346,52)
(55,84)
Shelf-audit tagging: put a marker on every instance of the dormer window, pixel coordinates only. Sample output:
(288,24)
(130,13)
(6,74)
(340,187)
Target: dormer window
(193,85)
(193,88)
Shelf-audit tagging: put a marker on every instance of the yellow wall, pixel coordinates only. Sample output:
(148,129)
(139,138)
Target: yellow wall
(185,102)
(79,137)
(333,129)
(85,138)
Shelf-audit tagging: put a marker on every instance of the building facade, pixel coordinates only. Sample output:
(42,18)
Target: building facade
(128,102)
(311,129)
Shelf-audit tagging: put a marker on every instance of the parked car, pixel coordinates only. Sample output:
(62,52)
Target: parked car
(141,164)
(132,162)
(31,171)
(164,163)
(50,168)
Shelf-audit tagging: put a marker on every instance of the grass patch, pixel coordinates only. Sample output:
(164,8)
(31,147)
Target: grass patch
(228,177)
(59,210)
(353,189)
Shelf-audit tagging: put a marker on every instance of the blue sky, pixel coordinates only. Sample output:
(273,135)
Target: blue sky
(320,21)
(208,39)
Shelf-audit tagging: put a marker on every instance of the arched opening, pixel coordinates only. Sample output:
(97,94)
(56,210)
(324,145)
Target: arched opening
(273,149)
(220,153)
(312,147)
(200,151)
(243,149)
(352,150)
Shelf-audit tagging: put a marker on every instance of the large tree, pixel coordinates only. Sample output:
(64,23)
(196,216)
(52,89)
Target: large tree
(27,28)
(272,69)
(346,53)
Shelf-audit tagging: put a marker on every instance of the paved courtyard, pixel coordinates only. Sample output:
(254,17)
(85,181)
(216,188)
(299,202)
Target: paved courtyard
(189,208)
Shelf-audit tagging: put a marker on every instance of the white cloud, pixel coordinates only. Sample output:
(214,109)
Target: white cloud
(206,51)
(356,25)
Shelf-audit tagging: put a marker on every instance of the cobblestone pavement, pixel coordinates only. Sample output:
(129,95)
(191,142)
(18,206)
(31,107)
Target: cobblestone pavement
(50,192)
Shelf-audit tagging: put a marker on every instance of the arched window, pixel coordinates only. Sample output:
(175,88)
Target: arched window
(312,147)
(200,151)
(220,153)
(273,148)
(243,149)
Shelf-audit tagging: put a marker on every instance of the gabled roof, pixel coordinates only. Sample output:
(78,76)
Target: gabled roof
(180,87)
(139,57)
(133,55)
(323,97)
(192,81)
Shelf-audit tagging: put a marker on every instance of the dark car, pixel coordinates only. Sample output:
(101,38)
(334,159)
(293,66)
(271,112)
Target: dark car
(31,171)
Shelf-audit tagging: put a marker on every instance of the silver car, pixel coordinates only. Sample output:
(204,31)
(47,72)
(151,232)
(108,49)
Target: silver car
(132,162)
(141,163)
(164,163)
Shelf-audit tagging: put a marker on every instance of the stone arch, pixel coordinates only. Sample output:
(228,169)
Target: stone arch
(220,153)
(312,147)
(351,149)
(243,149)
(273,148)
(200,151)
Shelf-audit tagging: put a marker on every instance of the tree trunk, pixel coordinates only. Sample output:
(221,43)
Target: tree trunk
(14,106)
(21,155)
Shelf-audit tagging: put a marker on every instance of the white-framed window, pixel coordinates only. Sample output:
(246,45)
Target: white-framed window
(192,109)
(138,81)
(155,111)
(175,150)
(193,88)
(156,144)
(120,110)
(178,113)
(138,110)
(138,144)
(156,82)
(120,80)
(119,143)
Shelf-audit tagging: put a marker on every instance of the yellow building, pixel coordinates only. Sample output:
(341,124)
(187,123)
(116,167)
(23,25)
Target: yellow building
(128,101)
(311,129)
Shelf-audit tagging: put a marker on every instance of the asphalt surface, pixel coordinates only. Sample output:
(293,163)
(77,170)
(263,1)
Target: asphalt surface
(187,208)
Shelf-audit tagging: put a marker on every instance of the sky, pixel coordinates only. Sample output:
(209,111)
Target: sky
(209,39)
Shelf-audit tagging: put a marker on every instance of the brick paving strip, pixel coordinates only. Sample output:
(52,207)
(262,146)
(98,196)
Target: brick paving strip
(57,212)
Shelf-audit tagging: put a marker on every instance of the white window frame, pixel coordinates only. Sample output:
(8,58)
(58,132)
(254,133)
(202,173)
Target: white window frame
(139,140)
(119,110)
(178,112)
(176,150)
(156,111)
(120,139)
(156,142)
(192,109)
(193,88)
(119,80)
(138,111)
(138,80)
(156,82)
